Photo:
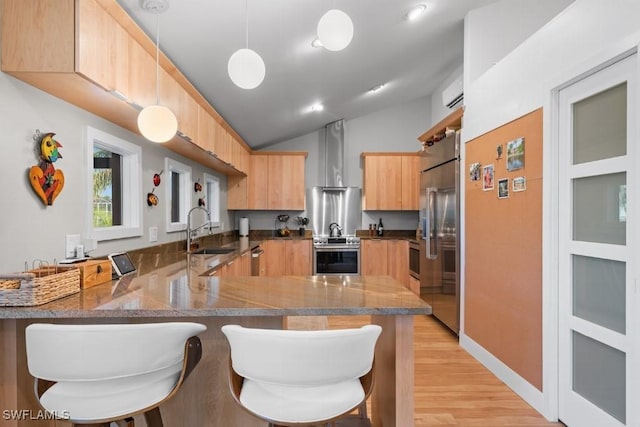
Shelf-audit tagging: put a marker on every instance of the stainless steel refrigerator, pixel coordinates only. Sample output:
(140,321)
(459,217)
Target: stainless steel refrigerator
(440,217)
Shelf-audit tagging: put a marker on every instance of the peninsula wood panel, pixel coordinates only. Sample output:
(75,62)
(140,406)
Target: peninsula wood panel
(503,252)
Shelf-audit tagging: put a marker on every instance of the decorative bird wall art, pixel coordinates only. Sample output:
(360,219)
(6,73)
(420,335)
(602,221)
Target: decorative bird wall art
(46,180)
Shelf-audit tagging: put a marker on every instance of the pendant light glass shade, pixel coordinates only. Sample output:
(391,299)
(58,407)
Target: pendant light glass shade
(246,69)
(335,30)
(157,123)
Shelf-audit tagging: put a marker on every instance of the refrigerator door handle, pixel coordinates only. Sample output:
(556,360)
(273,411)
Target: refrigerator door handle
(431,235)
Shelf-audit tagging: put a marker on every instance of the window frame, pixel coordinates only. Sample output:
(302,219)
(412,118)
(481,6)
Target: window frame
(214,210)
(171,165)
(131,156)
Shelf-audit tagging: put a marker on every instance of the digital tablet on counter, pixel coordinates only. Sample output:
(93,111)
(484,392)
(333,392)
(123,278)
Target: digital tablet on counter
(122,264)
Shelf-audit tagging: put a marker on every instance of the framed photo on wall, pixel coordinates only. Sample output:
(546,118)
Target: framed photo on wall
(515,154)
(519,184)
(487,177)
(503,188)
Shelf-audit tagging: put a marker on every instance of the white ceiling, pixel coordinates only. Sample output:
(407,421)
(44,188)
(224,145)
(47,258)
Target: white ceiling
(411,57)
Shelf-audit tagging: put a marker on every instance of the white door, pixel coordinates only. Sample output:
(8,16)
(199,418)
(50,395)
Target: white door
(598,208)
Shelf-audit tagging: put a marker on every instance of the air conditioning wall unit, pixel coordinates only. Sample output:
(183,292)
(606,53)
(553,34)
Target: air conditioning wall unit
(453,95)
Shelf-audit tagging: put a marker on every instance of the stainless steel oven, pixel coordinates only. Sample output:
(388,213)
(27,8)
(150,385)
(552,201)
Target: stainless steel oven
(336,256)
(414,259)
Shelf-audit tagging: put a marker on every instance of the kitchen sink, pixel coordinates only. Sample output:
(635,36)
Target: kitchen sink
(213,251)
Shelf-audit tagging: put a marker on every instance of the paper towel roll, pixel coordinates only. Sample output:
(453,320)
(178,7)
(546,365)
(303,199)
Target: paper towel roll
(244,226)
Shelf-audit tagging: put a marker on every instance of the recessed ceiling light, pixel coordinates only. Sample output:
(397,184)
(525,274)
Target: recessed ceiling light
(317,107)
(378,88)
(316,43)
(416,12)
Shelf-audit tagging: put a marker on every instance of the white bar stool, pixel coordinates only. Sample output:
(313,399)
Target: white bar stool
(98,374)
(301,378)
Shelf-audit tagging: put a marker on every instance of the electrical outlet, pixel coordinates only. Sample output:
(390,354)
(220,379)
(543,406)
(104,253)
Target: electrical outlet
(153,234)
(70,243)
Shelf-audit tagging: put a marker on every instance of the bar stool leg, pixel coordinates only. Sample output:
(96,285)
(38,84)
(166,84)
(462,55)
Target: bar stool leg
(153,418)
(127,422)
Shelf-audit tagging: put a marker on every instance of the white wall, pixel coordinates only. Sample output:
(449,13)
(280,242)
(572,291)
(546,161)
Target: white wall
(499,27)
(393,129)
(582,37)
(28,229)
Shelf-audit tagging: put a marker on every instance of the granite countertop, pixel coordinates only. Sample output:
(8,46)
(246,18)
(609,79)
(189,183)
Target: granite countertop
(175,285)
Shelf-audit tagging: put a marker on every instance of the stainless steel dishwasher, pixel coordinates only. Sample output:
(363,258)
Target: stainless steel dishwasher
(256,254)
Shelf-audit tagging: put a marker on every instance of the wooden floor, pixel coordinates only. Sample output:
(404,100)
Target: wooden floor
(451,387)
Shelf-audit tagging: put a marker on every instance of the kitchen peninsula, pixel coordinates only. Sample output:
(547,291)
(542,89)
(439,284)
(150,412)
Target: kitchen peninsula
(182,290)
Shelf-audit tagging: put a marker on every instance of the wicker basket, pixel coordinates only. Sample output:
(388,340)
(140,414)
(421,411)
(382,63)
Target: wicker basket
(39,286)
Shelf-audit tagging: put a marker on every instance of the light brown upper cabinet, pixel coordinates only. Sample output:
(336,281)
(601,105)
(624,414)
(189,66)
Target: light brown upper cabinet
(391,181)
(92,54)
(275,181)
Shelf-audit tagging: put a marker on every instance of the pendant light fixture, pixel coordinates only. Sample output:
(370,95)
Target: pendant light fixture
(245,67)
(335,30)
(156,122)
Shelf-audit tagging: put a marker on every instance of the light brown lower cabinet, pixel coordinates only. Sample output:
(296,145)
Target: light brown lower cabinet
(239,266)
(386,257)
(286,257)
(414,285)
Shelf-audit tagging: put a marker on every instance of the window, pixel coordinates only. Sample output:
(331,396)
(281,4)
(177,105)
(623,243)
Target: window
(212,198)
(177,194)
(114,189)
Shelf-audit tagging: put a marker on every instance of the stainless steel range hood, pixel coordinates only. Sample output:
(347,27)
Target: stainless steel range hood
(334,154)
(334,202)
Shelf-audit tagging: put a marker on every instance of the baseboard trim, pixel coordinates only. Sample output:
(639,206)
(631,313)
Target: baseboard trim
(515,382)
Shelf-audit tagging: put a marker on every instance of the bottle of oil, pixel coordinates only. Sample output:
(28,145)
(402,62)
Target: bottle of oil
(380,228)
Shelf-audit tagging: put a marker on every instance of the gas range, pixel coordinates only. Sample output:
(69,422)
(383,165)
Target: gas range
(344,241)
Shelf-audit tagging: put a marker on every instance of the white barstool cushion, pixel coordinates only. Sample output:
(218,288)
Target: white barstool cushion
(292,404)
(108,399)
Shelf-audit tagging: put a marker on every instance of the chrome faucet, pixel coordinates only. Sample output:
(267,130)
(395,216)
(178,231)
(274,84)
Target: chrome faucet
(191,231)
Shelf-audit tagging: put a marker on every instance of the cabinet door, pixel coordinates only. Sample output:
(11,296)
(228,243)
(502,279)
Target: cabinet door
(410,183)
(258,182)
(298,257)
(414,285)
(398,260)
(142,71)
(374,257)
(274,257)
(102,48)
(245,264)
(237,192)
(206,134)
(286,182)
(382,182)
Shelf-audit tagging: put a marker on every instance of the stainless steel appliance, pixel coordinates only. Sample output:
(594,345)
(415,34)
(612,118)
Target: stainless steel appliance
(335,216)
(414,259)
(334,256)
(440,213)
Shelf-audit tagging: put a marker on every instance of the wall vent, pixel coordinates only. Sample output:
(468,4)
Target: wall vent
(453,94)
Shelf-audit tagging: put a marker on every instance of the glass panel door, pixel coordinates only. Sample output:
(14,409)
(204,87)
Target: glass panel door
(595,247)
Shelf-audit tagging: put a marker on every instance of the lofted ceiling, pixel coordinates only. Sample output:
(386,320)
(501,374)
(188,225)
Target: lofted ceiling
(411,57)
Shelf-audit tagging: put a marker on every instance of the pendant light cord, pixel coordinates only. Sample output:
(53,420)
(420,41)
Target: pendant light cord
(246,23)
(157,57)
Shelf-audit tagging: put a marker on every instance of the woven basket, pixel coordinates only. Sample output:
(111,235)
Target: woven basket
(39,286)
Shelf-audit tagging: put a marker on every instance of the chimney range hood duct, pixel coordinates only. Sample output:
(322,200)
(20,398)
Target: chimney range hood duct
(334,202)
(334,154)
